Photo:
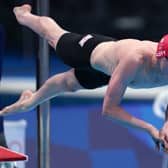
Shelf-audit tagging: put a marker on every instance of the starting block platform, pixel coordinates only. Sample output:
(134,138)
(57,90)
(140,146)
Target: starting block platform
(7,155)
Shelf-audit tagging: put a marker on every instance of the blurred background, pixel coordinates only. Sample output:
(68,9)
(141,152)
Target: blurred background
(80,137)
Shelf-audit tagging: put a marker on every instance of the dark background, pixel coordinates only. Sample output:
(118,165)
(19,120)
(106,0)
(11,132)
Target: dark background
(118,18)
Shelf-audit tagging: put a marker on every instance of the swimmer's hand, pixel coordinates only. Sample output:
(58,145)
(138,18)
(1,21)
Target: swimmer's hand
(159,143)
(23,104)
(163,133)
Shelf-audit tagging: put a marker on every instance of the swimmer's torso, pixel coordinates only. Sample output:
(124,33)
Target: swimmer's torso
(107,55)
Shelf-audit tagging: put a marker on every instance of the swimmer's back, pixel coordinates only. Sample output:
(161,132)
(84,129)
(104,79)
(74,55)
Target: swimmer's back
(107,55)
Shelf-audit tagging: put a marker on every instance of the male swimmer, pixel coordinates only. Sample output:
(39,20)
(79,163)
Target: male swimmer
(96,61)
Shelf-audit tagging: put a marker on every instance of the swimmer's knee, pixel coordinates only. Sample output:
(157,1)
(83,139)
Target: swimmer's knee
(51,31)
(72,83)
(64,82)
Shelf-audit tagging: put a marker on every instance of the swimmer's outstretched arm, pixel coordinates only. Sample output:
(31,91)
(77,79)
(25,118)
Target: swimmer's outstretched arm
(54,86)
(119,81)
(164,130)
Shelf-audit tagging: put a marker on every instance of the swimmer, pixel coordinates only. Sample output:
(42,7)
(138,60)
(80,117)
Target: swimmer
(97,61)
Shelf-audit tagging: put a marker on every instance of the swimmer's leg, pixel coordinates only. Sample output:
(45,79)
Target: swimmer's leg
(44,26)
(54,86)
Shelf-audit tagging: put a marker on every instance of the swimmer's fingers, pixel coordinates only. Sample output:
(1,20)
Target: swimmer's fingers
(164,149)
(154,133)
(160,146)
(157,143)
(164,140)
(163,134)
(157,146)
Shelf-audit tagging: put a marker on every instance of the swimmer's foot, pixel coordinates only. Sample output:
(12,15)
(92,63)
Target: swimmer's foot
(22,105)
(21,13)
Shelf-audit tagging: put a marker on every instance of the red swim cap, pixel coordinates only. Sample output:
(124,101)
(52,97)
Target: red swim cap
(162,48)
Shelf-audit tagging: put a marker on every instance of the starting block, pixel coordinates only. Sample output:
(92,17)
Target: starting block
(7,155)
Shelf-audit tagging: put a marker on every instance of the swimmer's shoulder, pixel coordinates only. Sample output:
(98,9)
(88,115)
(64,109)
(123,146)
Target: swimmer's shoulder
(136,41)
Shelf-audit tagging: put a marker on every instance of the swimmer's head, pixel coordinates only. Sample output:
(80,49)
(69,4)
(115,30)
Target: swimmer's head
(162,48)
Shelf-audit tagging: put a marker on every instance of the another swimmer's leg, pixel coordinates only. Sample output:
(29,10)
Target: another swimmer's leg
(44,26)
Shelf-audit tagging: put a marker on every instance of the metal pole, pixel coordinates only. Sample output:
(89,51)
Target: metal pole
(43,114)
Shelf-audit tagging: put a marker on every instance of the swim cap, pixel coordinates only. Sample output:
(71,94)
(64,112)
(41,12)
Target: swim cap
(162,48)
